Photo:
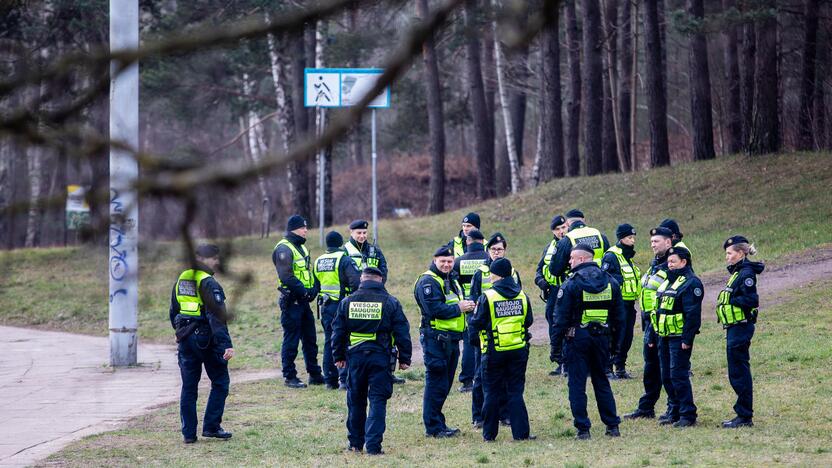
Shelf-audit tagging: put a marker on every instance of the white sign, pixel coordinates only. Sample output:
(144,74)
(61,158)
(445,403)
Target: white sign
(342,87)
(323,89)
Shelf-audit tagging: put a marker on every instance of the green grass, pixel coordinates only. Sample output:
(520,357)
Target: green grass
(276,426)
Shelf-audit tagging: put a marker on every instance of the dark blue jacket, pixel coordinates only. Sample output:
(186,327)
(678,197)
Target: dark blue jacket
(476,251)
(282,258)
(214,312)
(481,320)
(744,292)
(476,282)
(431,300)
(393,324)
(348,272)
(539,280)
(610,264)
(591,278)
(689,301)
(369,250)
(559,265)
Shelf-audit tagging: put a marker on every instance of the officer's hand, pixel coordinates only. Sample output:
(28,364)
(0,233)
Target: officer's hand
(340,364)
(467,306)
(404,366)
(686,346)
(229,353)
(650,345)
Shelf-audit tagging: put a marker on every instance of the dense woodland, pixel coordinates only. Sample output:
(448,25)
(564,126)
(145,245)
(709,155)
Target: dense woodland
(503,96)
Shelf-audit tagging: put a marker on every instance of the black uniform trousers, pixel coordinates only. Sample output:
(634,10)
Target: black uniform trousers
(197,351)
(555,342)
(623,348)
(468,367)
(369,379)
(587,355)
(738,342)
(441,352)
(298,324)
(675,365)
(504,377)
(478,396)
(332,375)
(652,377)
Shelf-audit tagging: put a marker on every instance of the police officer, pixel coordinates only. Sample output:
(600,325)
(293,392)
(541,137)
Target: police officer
(363,253)
(338,277)
(618,262)
(465,266)
(439,297)
(369,323)
(671,224)
(298,287)
(589,305)
(482,282)
(736,310)
(660,243)
(503,318)
(458,245)
(199,316)
(578,232)
(549,285)
(676,321)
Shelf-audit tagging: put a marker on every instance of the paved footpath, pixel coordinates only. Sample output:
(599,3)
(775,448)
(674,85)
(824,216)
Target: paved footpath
(57,388)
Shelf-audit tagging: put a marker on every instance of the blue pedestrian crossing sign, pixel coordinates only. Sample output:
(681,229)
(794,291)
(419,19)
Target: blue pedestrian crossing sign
(342,87)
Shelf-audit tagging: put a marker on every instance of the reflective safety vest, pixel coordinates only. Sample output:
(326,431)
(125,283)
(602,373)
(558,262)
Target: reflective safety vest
(486,282)
(508,319)
(649,285)
(631,287)
(459,246)
(728,314)
(300,264)
(327,270)
(456,324)
(591,236)
(370,314)
(547,259)
(665,319)
(187,292)
(467,268)
(362,262)
(596,306)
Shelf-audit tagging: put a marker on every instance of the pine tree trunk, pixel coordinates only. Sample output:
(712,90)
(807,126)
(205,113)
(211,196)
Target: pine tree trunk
(625,80)
(593,87)
(5,190)
(821,130)
(483,143)
(700,87)
(436,202)
(356,146)
(550,144)
(656,86)
(749,53)
(807,83)
(609,143)
(256,146)
(300,169)
(573,127)
(33,155)
(285,114)
(732,80)
(765,132)
(499,61)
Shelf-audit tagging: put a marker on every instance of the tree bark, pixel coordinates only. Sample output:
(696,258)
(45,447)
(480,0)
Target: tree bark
(610,140)
(550,144)
(299,169)
(656,86)
(33,155)
(700,86)
(807,82)
(593,87)
(765,132)
(749,52)
(483,142)
(821,131)
(732,79)
(499,60)
(285,114)
(256,147)
(436,202)
(321,32)
(573,127)
(625,81)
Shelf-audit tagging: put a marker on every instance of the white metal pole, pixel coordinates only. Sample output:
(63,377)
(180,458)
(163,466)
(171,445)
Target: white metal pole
(124,170)
(321,176)
(375,185)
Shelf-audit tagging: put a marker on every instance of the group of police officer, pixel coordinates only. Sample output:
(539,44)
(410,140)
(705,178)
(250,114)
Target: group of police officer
(471,294)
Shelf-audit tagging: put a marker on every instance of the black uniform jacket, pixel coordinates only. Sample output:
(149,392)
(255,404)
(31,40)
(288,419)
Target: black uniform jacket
(282,258)
(481,320)
(744,292)
(591,278)
(431,300)
(214,313)
(688,302)
(559,265)
(369,250)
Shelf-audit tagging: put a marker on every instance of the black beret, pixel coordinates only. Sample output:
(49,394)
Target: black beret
(372,271)
(295,222)
(680,251)
(476,234)
(625,230)
(575,213)
(495,239)
(557,221)
(673,226)
(661,231)
(584,247)
(501,267)
(334,239)
(359,224)
(208,251)
(735,240)
(443,251)
(472,218)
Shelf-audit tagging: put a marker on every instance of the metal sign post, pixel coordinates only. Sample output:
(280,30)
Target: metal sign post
(344,87)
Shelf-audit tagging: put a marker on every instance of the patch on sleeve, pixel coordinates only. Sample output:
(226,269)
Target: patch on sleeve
(605,266)
(697,292)
(749,282)
(560,293)
(282,256)
(219,296)
(426,290)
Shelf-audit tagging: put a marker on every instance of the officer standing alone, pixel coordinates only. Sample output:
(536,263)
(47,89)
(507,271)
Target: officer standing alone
(443,310)
(618,262)
(199,316)
(589,305)
(465,267)
(368,324)
(297,287)
(549,285)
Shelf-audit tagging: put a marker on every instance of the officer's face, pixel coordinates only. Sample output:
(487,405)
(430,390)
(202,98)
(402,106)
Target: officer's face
(497,251)
(659,244)
(559,231)
(360,235)
(675,262)
(301,231)
(578,257)
(732,255)
(444,264)
(467,227)
(629,240)
(210,262)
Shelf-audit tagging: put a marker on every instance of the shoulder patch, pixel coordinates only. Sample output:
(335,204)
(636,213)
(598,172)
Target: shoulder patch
(282,255)
(749,282)
(560,293)
(426,290)
(697,291)
(605,266)
(219,296)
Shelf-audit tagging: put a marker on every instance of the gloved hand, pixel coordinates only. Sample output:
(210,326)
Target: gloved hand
(310,296)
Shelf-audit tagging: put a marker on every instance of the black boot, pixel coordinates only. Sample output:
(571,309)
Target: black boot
(294,383)
(737,422)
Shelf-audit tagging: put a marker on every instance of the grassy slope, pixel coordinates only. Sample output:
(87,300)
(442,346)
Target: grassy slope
(277,426)
(781,202)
